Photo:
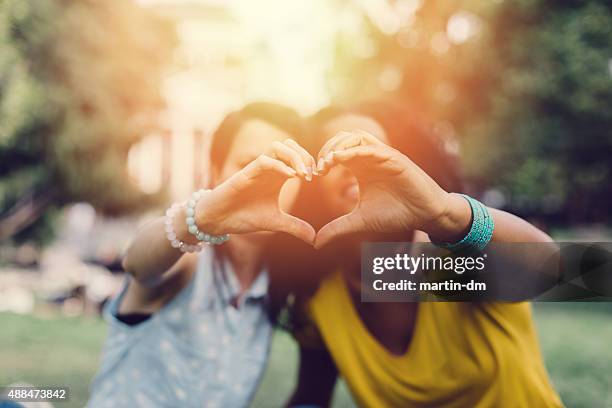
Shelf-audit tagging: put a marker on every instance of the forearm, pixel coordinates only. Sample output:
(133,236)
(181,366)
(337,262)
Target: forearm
(455,223)
(150,254)
(508,228)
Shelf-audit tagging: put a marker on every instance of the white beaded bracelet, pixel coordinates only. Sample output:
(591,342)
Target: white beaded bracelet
(171,235)
(193,227)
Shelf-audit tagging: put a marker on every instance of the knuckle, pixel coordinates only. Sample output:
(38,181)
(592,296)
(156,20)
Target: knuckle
(263,161)
(249,172)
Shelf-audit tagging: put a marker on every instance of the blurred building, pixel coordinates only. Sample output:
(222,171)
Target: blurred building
(231,53)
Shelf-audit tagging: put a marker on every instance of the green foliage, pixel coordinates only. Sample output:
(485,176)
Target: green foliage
(550,126)
(529,97)
(79,84)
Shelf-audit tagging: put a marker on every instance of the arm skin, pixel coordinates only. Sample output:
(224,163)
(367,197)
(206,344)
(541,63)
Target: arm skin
(158,270)
(396,195)
(452,225)
(317,377)
(150,259)
(246,202)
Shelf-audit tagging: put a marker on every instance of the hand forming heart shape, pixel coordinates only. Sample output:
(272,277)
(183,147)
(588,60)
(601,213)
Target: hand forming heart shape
(395,194)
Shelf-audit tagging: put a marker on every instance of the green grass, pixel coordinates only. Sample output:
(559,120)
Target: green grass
(576,340)
(50,352)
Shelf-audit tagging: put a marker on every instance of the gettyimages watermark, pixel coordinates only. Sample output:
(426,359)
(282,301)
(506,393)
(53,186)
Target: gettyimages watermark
(400,271)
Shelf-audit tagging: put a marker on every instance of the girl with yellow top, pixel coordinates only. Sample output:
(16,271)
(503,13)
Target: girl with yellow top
(409,354)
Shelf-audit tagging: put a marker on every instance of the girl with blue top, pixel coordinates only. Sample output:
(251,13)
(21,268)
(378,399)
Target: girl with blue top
(191,329)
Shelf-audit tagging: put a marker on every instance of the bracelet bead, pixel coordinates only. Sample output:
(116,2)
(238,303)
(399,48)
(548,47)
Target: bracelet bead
(171,235)
(481,229)
(191,222)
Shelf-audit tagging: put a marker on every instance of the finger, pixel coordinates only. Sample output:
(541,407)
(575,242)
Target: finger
(267,165)
(359,152)
(341,138)
(296,227)
(346,224)
(360,159)
(343,141)
(306,157)
(289,156)
(368,138)
(346,140)
(349,158)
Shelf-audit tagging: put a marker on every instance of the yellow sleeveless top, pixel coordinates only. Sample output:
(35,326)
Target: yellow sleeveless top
(460,355)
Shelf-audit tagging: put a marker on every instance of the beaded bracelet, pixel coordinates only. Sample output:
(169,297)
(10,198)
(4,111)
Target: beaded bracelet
(481,230)
(193,227)
(171,235)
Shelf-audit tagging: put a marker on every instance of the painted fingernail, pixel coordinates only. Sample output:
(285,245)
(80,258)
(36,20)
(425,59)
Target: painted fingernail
(329,157)
(303,169)
(309,173)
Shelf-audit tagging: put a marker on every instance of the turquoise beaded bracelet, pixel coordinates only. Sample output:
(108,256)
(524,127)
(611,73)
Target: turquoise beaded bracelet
(191,222)
(481,230)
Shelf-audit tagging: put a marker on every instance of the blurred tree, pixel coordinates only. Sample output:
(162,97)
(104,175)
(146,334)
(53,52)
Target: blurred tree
(550,122)
(79,84)
(526,86)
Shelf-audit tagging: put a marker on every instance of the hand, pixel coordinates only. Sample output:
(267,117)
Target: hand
(395,194)
(248,200)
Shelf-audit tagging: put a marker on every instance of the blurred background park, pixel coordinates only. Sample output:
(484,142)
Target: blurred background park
(106,108)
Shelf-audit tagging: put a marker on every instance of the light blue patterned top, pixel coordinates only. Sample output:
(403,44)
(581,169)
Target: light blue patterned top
(197,351)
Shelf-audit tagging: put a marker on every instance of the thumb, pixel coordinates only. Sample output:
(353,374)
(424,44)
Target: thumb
(296,227)
(351,222)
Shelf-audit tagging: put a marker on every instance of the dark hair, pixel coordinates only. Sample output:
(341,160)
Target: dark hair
(279,116)
(407,132)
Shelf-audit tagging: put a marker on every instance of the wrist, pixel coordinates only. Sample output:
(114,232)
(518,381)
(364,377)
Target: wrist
(175,238)
(180,228)
(453,223)
(206,211)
